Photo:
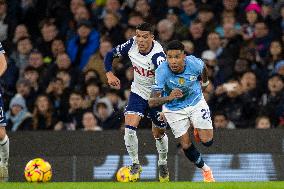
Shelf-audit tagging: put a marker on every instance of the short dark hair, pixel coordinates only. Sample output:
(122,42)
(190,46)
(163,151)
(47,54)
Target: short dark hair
(145,27)
(175,45)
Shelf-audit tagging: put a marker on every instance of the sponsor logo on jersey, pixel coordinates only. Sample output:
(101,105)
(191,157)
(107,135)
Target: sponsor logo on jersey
(143,72)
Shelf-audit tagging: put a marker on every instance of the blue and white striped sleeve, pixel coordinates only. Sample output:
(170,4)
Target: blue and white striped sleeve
(120,50)
(1,49)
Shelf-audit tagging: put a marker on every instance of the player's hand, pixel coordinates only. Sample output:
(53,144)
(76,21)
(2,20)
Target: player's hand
(162,117)
(112,80)
(175,94)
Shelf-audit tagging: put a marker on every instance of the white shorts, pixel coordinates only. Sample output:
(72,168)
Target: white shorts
(179,120)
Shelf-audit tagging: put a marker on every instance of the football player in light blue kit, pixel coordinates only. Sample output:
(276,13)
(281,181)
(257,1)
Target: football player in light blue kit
(4,140)
(178,86)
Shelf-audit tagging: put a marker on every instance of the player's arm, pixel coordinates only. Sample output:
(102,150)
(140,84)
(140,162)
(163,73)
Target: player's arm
(156,98)
(3,62)
(120,50)
(204,78)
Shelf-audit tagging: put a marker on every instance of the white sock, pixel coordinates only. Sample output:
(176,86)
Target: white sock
(4,150)
(205,167)
(162,148)
(131,143)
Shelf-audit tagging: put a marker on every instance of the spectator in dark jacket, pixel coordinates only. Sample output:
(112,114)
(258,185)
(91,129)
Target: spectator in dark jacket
(81,47)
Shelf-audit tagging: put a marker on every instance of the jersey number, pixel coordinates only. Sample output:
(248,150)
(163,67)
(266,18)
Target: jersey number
(205,113)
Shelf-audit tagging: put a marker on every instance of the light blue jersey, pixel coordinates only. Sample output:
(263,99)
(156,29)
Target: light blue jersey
(188,82)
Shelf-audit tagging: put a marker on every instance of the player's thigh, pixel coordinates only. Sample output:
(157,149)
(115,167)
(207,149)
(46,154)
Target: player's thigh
(135,109)
(3,121)
(180,127)
(158,124)
(185,140)
(200,116)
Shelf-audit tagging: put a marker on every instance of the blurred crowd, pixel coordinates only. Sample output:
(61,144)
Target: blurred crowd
(55,49)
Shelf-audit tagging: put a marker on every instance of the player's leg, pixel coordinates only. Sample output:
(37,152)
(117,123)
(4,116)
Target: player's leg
(133,114)
(201,121)
(4,147)
(159,133)
(162,148)
(206,136)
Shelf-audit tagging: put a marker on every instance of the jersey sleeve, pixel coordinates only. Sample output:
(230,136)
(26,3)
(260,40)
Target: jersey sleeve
(119,50)
(199,65)
(160,79)
(158,58)
(1,49)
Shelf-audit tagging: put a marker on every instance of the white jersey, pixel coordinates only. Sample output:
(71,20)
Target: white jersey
(144,65)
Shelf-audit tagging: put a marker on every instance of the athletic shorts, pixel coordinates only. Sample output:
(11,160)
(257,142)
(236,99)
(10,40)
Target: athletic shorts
(179,120)
(3,121)
(138,105)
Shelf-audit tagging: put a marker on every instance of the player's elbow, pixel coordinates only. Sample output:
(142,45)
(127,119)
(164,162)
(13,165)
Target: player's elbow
(151,103)
(3,64)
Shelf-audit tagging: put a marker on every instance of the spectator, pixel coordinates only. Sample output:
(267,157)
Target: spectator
(275,54)
(49,32)
(90,122)
(96,61)
(272,101)
(92,91)
(21,54)
(279,68)
(18,117)
(32,75)
(189,12)
(72,118)
(83,45)
(21,31)
(24,88)
(112,29)
(143,7)
(107,118)
(166,31)
(220,121)
(44,118)
(62,63)
(262,38)
(188,47)
(57,47)
(262,122)
(198,37)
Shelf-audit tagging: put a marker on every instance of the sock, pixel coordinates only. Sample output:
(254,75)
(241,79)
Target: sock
(131,143)
(205,167)
(193,155)
(4,150)
(162,148)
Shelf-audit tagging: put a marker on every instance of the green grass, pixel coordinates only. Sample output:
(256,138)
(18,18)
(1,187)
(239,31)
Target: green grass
(144,185)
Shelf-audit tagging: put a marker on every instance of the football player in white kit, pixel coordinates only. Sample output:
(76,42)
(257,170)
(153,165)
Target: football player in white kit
(4,140)
(145,54)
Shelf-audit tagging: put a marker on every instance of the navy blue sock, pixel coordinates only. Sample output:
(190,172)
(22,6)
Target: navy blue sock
(209,143)
(193,155)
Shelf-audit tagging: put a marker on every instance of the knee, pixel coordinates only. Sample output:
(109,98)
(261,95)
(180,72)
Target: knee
(158,134)
(2,133)
(207,143)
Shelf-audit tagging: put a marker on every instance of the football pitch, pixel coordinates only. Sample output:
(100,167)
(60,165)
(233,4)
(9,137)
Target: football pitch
(144,185)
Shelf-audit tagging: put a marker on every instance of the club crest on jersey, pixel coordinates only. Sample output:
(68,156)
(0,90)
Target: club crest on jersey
(181,80)
(192,78)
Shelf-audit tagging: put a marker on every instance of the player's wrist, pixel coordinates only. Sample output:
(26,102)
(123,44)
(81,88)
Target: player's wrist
(205,84)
